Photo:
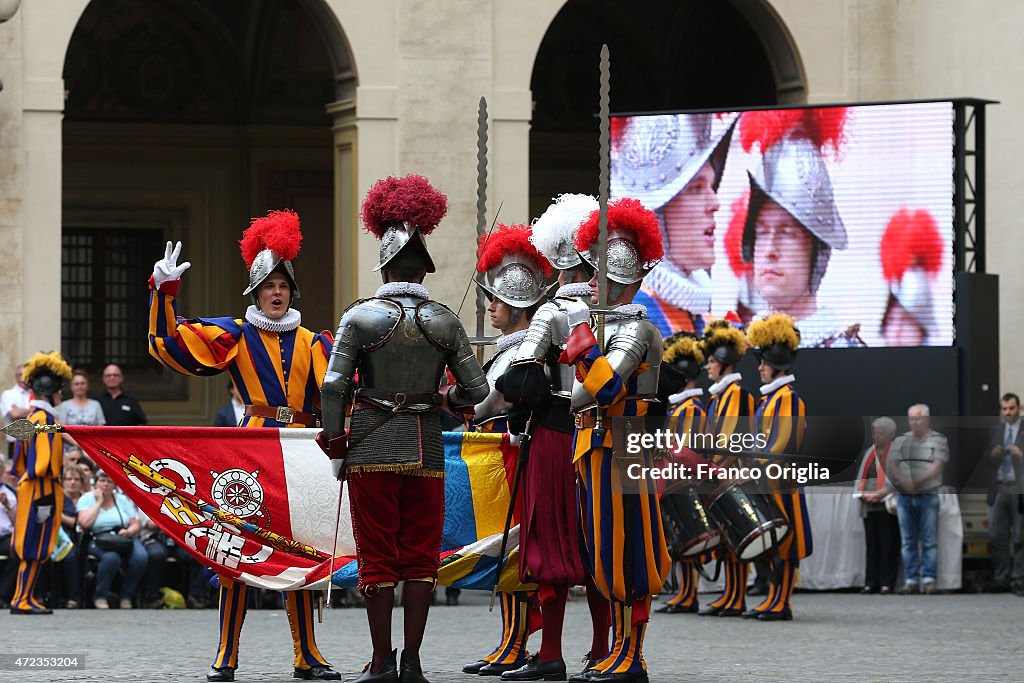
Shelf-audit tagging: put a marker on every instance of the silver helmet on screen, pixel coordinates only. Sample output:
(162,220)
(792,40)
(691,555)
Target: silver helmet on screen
(654,157)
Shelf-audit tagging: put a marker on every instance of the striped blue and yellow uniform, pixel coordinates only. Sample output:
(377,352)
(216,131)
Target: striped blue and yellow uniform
(616,513)
(731,411)
(780,417)
(277,369)
(38,464)
(687,417)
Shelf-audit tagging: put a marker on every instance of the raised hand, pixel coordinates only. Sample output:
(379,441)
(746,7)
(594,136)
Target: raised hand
(167,268)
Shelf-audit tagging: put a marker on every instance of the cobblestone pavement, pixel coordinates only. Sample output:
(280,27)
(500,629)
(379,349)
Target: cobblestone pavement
(835,637)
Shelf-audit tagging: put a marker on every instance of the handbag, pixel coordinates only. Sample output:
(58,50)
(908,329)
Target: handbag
(111,541)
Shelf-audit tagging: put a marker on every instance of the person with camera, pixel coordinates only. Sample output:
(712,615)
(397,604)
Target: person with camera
(115,528)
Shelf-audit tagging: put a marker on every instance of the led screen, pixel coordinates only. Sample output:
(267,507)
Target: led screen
(840,217)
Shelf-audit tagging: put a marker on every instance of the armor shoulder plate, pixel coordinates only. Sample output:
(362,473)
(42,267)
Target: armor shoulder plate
(374,321)
(546,330)
(440,325)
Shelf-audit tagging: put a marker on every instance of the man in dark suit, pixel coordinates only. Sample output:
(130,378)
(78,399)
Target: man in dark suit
(230,414)
(1006,455)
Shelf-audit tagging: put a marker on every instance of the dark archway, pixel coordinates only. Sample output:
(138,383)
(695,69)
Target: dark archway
(183,119)
(665,55)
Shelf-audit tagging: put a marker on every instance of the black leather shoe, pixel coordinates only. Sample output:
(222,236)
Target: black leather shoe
(640,677)
(317,673)
(498,669)
(537,670)
(751,614)
(729,612)
(679,609)
(31,610)
(410,670)
(388,671)
(475,667)
(709,611)
(224,673)
(588,670)
(784,615)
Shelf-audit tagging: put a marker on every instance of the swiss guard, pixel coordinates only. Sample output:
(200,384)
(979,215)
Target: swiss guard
(538,385)
(37,464)
(681,364)
(513,274)
(780,418)
(730,411)
(617,379)
(400,342)
(249,349)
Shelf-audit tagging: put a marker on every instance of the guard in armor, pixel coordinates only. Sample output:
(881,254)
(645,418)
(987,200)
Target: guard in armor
(911,250)
(730,411)
(681,364)
(513,275)
(780,418)
(37,465)
(540,387)
(621,519)
(276,365)
(791,221)
(400,342)
(673,164)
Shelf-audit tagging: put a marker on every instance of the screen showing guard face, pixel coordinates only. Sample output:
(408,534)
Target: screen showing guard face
(840,217)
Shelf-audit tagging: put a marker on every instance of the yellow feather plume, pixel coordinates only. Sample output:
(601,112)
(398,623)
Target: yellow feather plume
(775,329)
(683,346)
(52,361)
(722,333)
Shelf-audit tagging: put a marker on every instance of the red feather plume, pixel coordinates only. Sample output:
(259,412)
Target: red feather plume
(821,126)
(617,128)
(734,236)
(278,230)
(626,215)
(506,240)
(912,239)
(396,200)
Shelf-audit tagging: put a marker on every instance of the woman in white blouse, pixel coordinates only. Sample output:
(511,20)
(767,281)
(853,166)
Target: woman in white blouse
(79,409)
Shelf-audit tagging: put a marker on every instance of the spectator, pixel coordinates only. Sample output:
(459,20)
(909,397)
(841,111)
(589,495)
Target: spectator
(160,548)
(915,468)
(79,409)
(8,566)
(1005,521)
(881,528)
(119,409)
(14,402)
(74,481)
(104,510)
(231,413)
(75,457)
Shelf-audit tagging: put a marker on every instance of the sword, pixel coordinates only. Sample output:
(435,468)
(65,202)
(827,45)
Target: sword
(524,455)
(481,213)
(334,551)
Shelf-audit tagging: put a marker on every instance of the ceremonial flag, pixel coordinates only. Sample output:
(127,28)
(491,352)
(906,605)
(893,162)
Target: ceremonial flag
(257,505)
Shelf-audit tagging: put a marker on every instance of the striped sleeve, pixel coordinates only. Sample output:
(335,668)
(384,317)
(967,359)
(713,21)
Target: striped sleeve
(783,423)
(592,368)
(199,348)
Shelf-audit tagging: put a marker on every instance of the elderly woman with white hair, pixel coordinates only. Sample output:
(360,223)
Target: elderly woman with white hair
(877,497)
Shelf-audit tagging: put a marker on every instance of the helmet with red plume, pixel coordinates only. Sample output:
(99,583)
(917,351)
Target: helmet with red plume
(269,244)
(510,267)
(912,253)
(400,212)
(634,240)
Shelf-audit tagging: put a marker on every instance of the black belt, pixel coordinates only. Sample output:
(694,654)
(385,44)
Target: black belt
(399,402)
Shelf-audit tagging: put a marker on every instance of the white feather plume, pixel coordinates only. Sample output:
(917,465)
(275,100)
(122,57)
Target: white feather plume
(560,221)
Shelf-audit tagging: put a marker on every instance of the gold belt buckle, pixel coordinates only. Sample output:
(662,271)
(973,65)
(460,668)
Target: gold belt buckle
(285,414)
(579,421)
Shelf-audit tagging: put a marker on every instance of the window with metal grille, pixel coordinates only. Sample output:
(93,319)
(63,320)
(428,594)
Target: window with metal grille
(104,304)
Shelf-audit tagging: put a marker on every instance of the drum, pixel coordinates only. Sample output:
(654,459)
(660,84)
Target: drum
(689,531)
(751,522)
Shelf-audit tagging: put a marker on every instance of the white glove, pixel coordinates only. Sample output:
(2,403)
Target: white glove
(576,312)
(338,467)
(167,268)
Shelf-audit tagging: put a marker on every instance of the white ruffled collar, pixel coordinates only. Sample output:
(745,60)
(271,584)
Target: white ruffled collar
(628,311)
(776,383)
(575,290)
(400,288)
(719,386)
(676,399)
(511,339)
(44,406)
(286,323)
(687,292)
(819,327)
